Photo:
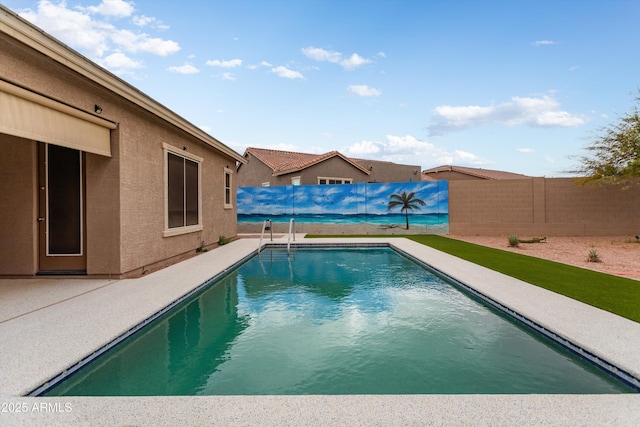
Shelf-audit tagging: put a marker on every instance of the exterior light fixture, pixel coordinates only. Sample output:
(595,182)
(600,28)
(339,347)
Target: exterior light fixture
(97,109)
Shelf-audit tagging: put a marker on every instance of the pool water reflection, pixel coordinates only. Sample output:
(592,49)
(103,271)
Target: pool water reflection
(335,321)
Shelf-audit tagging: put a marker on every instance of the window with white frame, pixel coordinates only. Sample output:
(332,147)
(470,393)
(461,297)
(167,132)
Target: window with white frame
(295,180)
(228,201)
(266,184)
(183,200)
(326,180)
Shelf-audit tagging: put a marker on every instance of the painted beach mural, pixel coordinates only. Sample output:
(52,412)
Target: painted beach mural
(349,204)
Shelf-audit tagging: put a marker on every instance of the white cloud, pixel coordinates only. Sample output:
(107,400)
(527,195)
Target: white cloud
(117,8)
(286,73)
(121,62)
(228,76)
(262,64)
(322,55)
(144,21)
(364,148)
(558,119)
(233,63)
(90,31)
(184,69)
(364,90)
(465,157)
(353,62)
(406,144)
(409,150)
(535,112)
(381,54)
(71,26)
(543,43)
(525,150)
(141,42)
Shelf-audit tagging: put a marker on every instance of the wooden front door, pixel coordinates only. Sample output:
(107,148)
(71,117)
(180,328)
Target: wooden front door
(61,217)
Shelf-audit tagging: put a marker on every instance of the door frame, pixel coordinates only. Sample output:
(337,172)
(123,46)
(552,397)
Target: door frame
(48,263)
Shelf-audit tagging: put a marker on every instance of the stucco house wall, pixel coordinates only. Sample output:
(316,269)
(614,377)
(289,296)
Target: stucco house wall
(334,167)
(18,237)
(125,193)
(390,172)
(255,173)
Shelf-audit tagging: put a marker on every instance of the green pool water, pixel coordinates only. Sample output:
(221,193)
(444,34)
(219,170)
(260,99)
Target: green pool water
(335,321)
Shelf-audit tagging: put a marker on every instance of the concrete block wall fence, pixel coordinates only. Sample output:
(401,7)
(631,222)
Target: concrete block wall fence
(542,207)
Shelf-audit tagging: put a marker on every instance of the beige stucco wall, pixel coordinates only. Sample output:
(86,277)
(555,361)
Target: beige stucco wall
(143,191)
(18,206)
(390,172)
(24,67)
(543,207)
(255,173)
(124,193)
(335,167)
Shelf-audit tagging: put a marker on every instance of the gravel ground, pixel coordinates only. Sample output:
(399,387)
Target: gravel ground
(619,255)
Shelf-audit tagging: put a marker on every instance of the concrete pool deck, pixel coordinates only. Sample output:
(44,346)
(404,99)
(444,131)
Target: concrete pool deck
(48,325)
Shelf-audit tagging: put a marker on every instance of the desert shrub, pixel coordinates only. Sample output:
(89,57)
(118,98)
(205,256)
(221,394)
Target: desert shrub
(201,248)
(513,240)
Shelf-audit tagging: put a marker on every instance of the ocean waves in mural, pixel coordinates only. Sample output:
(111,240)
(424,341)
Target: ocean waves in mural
(416,219)
(345,204)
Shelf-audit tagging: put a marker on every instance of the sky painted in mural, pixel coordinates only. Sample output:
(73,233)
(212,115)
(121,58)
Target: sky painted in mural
(350,199)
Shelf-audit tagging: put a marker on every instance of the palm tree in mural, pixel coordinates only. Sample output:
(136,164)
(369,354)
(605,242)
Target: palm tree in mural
(408,202)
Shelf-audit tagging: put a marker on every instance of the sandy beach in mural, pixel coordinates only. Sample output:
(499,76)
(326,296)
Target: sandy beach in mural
(347,229)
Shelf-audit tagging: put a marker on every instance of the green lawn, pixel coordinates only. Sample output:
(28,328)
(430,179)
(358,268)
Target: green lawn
(615,294)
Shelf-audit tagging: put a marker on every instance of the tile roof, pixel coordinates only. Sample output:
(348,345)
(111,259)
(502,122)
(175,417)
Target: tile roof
(284,162)
(477,172)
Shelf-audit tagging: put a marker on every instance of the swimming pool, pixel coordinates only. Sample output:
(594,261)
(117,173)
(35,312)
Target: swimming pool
(339,321)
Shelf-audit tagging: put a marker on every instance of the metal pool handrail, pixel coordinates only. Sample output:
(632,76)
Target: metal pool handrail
(264,227)
(292,225)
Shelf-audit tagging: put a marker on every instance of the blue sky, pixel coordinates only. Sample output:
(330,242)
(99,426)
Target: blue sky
(512,85)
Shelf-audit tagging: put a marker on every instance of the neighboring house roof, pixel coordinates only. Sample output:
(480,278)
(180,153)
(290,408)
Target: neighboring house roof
(22,30)
(284,162)
(476,172)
